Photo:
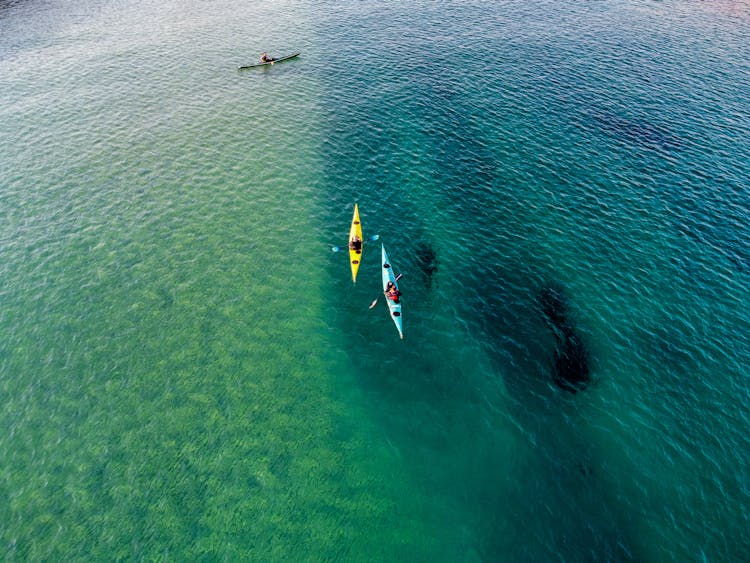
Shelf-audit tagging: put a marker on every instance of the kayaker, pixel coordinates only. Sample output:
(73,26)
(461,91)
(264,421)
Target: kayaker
(264,58)
(355,243)
(392,292)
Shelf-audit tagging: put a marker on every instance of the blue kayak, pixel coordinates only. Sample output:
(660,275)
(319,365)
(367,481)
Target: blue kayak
(393,307)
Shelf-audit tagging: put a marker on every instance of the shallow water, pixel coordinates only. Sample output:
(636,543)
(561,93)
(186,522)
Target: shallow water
(186,370)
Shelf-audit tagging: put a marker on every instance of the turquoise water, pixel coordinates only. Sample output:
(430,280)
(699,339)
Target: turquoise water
(187,372)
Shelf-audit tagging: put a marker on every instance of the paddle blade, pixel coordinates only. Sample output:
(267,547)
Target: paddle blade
(335,249)
(373,303)
(374,237)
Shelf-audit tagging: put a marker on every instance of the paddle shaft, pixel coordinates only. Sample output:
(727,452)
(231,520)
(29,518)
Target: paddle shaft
(369,239)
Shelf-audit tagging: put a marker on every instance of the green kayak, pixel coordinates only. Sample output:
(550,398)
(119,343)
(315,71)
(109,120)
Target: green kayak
(271,62)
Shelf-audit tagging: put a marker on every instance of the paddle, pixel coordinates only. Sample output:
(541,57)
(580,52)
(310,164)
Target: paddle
(398,277)
(340,248)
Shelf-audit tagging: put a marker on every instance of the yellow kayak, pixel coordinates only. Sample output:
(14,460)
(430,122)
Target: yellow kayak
(355,234)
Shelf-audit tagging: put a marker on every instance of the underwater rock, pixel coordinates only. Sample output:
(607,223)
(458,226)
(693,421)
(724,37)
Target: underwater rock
(571,371)
(571,368)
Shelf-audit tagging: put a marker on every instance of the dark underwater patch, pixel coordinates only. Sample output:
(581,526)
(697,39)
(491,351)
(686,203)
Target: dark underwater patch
(427,262)
(166,297)
(716,226)
(633,131)
(571,370)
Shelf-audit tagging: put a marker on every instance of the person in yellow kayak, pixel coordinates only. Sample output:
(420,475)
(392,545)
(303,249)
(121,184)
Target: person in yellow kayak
(355,243)
(265,58)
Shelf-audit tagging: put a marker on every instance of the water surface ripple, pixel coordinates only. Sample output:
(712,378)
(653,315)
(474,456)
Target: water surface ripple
(186,370)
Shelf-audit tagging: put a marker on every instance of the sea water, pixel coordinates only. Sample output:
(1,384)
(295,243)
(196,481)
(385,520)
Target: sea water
(187,371)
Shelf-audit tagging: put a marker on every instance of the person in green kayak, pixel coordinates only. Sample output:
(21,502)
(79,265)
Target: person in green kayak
(264,58)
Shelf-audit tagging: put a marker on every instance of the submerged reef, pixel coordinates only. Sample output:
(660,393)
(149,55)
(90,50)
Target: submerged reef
(571,370)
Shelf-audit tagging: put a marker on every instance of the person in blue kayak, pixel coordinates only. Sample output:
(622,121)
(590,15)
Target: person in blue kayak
(264,58)
(392,292)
